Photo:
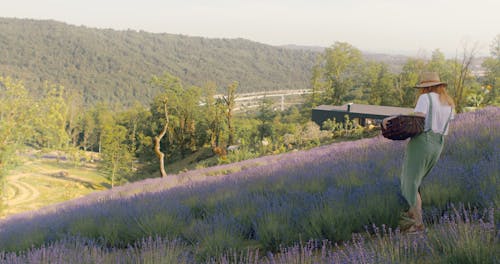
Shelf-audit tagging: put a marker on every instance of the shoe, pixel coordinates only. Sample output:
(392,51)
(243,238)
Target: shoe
(411,221)
(406,221)
(415,229)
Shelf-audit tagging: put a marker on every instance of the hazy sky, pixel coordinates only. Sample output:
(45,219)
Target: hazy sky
(411,27)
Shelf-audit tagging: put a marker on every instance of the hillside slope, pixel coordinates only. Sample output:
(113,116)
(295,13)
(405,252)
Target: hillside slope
(116,66)
(327,192)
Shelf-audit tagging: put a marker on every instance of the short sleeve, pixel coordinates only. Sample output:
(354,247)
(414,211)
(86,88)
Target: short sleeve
(422,104)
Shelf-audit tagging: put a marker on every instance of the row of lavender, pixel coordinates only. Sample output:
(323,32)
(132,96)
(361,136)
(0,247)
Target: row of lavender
(326,193)
(461,237)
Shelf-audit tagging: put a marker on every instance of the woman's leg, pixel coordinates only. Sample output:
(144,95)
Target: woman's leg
(419,218)
(422,153)
(412,220)
(414,169)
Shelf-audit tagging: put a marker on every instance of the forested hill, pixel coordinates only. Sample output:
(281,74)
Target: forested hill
(116,66)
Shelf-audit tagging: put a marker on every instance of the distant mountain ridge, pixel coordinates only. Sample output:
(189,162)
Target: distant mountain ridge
(116,66)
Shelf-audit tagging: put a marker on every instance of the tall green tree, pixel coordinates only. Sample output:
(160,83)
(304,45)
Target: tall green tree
(116,154)
(102,115)
(87,125)
(74,116)
(386,82)
(159,137)
(214,116)
(317,84)
(51,118)
(342,63)
(408,78)
(230,103)
(439,64)
(381,85)
(16,109)
(180,114)
(266,115)
(135,120)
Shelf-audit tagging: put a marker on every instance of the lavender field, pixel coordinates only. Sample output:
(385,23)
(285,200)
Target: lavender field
(333,204)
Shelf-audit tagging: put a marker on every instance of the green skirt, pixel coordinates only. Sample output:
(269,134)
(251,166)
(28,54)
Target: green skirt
(422,153)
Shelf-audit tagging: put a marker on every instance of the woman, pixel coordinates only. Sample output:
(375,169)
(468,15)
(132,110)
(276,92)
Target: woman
(423,151)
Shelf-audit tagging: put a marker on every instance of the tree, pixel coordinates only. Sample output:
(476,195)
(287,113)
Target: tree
(214,116)
(178,118)
(135,120)
(16,108)
(265,115)
(102,116)
(317,84)
(462,74)
(439,64)
(380,84)
(51,118)
(186,114)
(230,102)
(386,82)
(408,78)
(116,156)
(157,138)
(74,116)
(341,67)
(88,127)
(492,79)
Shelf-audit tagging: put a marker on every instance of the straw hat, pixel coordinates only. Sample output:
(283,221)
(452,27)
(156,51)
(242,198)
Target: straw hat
(429,79)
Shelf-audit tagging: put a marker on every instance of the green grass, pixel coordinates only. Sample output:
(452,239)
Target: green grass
(39,182)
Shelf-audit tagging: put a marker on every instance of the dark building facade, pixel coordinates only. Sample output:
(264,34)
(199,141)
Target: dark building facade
(360,113)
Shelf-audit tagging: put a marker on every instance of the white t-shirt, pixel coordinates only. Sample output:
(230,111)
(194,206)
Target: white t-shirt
(440,112)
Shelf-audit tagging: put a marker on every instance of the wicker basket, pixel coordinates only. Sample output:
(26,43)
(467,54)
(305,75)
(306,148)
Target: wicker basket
(402,127)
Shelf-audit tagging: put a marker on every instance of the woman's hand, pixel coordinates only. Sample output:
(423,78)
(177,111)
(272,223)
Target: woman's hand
(385,120)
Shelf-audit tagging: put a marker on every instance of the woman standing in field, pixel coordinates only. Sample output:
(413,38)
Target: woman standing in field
(423,151)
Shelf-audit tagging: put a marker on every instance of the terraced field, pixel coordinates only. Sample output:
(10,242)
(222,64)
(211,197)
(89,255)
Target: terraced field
(41,182)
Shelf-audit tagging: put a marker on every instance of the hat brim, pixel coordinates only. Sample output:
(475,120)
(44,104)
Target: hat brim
(429,84)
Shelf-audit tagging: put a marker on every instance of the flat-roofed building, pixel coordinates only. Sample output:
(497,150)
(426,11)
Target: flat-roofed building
(361,113)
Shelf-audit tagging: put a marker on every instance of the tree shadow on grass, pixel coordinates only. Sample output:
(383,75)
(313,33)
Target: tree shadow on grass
(64,175)
(106,185)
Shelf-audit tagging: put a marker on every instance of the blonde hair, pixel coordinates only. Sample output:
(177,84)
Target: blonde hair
(444,98)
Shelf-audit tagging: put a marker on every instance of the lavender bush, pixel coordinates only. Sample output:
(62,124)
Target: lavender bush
(463,236)
(326,193)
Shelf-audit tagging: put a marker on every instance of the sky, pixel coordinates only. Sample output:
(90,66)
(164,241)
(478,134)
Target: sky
(407,27)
